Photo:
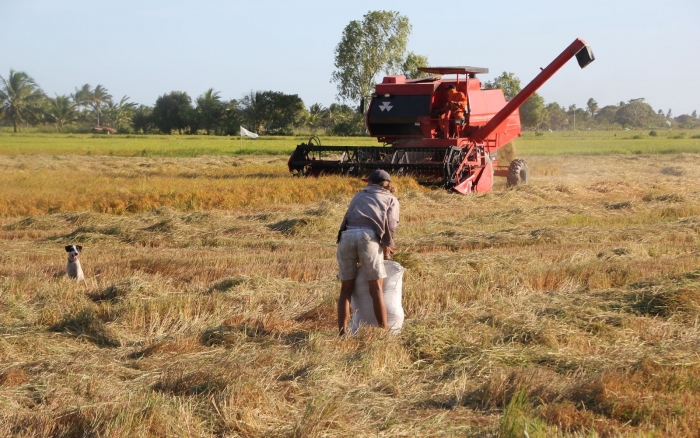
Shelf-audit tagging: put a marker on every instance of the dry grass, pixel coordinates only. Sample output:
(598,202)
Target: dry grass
(36,185)
(566,308)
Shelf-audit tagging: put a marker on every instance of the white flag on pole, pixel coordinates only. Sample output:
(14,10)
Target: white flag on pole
(246,133)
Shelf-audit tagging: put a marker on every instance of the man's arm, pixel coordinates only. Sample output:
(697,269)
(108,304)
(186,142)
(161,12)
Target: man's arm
(392,214)
(343,227)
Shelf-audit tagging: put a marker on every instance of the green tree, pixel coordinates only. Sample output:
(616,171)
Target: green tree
(232,117)
(508,82)
(532,112)
(273,112)
(251,115)
(119,114)
(351,125)
(314,117)
(636,114)
(606,115)
(173,112)
(368,47)
(557,118)
(410,65)
(99,97)
(288,112)
(578,117)
(331,115)
(592,106)
(686,121)
(572,112)
(211,110)
(20,97)
(82,96)
(61,111)
(142,119)
(342,120)
(335,114)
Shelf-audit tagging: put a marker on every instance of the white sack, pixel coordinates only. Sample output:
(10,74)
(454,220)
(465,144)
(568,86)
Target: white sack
(361,301)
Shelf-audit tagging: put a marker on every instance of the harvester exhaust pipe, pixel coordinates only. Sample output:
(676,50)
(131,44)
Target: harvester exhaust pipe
(584,56)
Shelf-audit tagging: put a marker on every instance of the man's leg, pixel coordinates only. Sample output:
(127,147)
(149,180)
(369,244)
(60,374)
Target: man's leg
(459,124)
(346,289)
(376,291)
(445,124)
(347,268)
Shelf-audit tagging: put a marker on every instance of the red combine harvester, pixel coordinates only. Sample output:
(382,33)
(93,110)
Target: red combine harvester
(426,134)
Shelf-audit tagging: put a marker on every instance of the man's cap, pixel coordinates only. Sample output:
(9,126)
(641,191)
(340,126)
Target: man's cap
(377,176)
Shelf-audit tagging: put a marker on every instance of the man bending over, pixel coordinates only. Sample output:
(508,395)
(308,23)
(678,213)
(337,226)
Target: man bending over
(366,237)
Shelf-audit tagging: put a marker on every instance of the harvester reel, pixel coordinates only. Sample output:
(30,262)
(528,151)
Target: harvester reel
(314,140)
(357,157)
(303,155)
(518,173)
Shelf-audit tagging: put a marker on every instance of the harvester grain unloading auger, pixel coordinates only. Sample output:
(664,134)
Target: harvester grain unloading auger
(413,120)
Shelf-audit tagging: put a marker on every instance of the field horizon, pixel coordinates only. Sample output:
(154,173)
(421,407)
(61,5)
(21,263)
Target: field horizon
(530,143)
(568,307)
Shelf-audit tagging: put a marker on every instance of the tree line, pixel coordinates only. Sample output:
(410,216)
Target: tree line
(275,113)
(23,103)
(536,115)
(368,47)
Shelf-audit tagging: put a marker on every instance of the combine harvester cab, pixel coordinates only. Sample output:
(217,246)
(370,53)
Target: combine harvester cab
(435,128)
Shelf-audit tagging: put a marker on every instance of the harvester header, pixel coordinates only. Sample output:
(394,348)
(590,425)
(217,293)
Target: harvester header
(446,129)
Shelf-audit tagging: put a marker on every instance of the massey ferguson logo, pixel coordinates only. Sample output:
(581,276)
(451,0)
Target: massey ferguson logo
(385,106)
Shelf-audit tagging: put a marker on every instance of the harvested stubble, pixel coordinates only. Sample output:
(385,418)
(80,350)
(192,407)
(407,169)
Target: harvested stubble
(566,308)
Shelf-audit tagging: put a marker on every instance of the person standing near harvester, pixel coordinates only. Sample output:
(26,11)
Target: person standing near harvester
(366,237)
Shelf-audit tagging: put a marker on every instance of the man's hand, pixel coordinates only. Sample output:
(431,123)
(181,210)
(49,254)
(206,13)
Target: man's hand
(388,252)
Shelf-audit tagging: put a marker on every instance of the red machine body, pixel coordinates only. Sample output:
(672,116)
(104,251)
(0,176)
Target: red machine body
(424,123)
(426,134)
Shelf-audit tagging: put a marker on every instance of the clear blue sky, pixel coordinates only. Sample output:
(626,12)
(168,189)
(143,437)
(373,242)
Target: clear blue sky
(146,48)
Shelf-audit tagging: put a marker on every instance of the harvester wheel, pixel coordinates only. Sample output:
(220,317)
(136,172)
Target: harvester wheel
(518,173)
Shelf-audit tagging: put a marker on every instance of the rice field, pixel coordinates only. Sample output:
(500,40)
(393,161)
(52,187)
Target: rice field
(157,145)
(609,142)
(544,143)
(568,307)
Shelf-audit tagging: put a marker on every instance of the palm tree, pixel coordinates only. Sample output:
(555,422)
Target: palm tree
(99,96)
(20,97)
(211,109)
(592,106)
(120,114)
(61,111)
(333,115)
(250,110)
(313,120)
(82,96)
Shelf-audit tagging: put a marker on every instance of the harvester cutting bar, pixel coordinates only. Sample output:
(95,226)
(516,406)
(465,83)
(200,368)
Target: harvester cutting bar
(359,160)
